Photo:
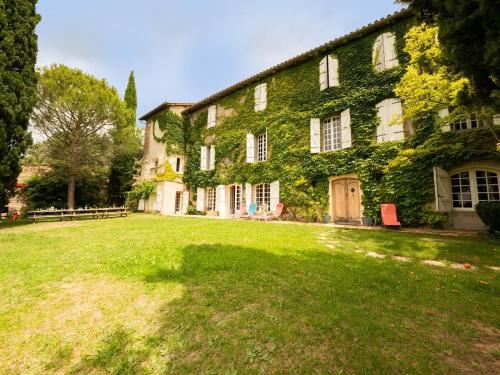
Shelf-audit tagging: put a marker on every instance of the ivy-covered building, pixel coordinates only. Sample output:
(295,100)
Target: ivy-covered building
(323,134)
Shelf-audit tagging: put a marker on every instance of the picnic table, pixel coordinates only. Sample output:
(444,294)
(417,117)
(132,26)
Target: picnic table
(94,213)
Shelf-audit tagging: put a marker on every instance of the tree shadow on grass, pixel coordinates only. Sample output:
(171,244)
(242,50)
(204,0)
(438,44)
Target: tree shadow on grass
(249,310)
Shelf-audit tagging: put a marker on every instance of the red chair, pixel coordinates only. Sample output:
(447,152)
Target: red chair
(389,215)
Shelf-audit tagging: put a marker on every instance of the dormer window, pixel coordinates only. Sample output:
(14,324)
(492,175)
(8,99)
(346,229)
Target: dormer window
(384,52)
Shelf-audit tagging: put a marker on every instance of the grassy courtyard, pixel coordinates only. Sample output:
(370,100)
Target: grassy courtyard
(150,294)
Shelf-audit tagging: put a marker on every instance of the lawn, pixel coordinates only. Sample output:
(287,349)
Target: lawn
(151,294)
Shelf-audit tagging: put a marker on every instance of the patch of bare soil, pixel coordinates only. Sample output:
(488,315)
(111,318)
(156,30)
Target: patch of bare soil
(39,227)
(484,353)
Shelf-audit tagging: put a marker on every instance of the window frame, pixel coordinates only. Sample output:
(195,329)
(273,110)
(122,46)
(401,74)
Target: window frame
(261,155)
(210,199)
(336,133)
(178,201)
(468,120)
(262,192)
(473,186)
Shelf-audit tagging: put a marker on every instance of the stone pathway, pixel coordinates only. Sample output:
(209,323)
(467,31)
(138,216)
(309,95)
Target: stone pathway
(330,244)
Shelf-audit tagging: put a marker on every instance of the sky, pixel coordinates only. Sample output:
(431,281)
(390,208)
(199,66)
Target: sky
(184,51)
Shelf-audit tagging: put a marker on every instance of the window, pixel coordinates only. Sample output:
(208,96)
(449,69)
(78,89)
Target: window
(211,199)
(263,196)
(332,138)
(461,190)
(262,147)
(328,72)
(384,52)
(178,165)
(467,122)
(487,186)
(178,197)
(473,186)
(260,97)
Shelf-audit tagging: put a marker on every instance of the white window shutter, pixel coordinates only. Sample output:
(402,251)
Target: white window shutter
(382,127)
(141,205)
(212,116)
(443,113)
(263,96)
(323,74)
(257,98)
(185,202)
(250,148)
(200,199)
(378,54)
(396,125)
(345,124)
(315,130)
(333,71)
(212,158)
(159,198)
(221,200)
(442,190)
(248,194)
(274,195)
(496,119)
(203,158)
(390,54)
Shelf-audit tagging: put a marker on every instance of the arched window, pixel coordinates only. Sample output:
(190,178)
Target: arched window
(384,52)
(469,187)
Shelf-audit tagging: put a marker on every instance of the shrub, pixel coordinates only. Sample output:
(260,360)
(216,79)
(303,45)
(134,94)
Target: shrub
(191,210)
(434,219)
(489,212)
(140,191)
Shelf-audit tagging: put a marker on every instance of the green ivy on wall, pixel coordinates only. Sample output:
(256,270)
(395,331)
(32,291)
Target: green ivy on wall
(171,131)
(399,172)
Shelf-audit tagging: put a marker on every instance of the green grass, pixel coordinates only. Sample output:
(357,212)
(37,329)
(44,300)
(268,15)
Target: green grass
(149,294)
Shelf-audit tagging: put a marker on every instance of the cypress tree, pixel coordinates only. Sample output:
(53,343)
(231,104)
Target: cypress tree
(127,149)
(18,50)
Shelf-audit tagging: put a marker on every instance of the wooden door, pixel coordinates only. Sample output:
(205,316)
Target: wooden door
(346,200)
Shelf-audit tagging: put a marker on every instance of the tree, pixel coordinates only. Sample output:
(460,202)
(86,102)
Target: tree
(127,149)
(469,34)
(77,113)
(18,50)
(430,84)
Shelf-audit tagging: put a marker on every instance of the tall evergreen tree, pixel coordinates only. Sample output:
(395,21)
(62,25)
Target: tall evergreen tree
(127,149)
(18,50)
(131,96)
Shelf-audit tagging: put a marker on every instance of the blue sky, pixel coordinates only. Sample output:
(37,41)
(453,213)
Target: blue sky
(183,51)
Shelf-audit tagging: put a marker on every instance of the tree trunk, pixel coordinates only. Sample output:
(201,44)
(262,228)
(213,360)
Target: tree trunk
(71,192)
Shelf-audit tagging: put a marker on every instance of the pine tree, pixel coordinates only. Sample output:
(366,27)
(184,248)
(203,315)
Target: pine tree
(18,50)
(127,149)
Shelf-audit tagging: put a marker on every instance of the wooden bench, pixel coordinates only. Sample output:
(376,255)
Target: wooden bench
(94,213)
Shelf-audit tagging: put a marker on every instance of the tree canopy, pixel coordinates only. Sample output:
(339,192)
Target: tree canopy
(469,33)
(18,50)
(77,113)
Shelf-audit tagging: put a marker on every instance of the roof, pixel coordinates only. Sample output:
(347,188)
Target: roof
(161,107)
(404,13)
